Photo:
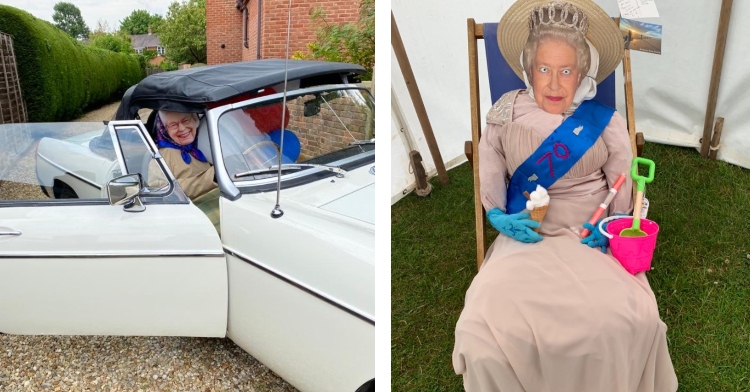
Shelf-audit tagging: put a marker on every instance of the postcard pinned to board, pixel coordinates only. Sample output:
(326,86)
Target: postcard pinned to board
(645,37)
(638,8)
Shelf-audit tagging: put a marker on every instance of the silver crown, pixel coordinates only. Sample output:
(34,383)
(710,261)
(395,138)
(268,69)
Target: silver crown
(559,13)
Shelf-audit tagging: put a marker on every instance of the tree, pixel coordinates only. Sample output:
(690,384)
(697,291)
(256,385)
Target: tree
(149,54)
(105,37)
(102,28)
(68,18)
(139,21)
(112,42)
(183,33)
(349,42)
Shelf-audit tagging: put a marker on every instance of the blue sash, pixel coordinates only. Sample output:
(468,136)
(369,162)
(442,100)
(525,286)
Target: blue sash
(558,153)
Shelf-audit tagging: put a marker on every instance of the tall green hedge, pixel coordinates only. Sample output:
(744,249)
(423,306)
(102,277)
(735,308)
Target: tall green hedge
(59,76)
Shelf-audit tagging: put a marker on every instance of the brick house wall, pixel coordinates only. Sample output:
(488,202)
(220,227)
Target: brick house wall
(224,27)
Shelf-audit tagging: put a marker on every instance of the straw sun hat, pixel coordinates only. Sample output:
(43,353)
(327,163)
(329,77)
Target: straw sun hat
(513,31)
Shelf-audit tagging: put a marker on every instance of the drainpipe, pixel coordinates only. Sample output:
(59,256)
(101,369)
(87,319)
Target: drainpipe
(260,18)
(242,6)
(244,27)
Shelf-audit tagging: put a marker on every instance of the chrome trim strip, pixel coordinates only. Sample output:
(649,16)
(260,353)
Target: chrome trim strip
(116,146)
(226,185)
(64,170)
(293,94)
(52,203)
(106,256)
(15,232)
(331,301)
(146,199)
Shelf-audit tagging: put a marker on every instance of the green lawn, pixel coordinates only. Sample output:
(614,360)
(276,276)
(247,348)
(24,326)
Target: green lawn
(701,274)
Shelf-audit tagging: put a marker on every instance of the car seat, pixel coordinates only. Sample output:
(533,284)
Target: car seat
(151,124)
(204,143)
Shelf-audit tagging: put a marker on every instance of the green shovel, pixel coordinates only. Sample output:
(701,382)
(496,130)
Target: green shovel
(635,230)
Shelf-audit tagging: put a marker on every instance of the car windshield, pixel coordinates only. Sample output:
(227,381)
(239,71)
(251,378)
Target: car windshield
(321,128)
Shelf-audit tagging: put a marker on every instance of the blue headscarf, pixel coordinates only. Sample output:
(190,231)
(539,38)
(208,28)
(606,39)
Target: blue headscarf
(163,140)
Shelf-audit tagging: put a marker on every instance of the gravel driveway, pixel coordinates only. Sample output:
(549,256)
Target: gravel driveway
(108,363)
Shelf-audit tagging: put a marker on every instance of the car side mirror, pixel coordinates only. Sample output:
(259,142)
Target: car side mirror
(124,191)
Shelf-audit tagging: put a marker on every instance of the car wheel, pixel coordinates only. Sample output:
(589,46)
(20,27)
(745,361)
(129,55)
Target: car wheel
(367,387)
(62,190)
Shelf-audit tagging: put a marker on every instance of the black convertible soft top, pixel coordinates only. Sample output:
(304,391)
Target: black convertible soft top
(189,90)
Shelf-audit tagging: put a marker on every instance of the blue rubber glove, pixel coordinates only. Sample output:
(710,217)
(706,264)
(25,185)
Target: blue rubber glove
(596,238)
(516,226)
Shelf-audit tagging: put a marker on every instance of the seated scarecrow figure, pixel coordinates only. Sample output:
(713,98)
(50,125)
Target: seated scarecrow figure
(549,311)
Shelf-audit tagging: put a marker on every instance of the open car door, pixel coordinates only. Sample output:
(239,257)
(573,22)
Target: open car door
(72,264)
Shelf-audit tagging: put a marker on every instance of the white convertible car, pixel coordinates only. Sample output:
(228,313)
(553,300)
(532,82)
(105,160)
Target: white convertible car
(98,238)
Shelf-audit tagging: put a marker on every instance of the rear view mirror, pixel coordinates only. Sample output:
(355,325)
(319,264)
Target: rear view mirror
(124,191)
(312,107)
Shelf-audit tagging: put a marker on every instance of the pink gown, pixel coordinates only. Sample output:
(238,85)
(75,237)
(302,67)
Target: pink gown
(558,315)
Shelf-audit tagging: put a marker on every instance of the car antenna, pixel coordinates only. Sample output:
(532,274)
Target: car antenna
(277,212)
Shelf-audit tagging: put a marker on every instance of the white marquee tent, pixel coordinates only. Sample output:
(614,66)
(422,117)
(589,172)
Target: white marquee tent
(671,90)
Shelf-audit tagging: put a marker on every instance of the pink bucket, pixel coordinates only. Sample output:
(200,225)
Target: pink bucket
(634,253)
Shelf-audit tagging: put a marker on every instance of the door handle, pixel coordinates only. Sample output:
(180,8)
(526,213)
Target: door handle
(12,232)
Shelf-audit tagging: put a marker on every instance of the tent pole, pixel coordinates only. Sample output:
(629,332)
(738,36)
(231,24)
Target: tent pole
(713,94)
(416,98)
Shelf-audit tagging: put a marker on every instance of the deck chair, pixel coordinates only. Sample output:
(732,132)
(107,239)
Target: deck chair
(502,79)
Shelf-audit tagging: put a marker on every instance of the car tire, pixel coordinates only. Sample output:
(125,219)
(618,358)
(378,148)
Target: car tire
(367,387)
(62,190)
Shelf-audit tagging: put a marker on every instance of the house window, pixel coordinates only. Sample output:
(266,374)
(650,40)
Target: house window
(160,50)
(139,50)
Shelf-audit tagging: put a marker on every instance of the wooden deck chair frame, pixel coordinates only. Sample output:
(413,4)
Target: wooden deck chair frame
(476,32)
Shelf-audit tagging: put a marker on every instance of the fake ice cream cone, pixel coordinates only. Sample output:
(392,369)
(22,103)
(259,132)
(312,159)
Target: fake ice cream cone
(537,205)
(537,214)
